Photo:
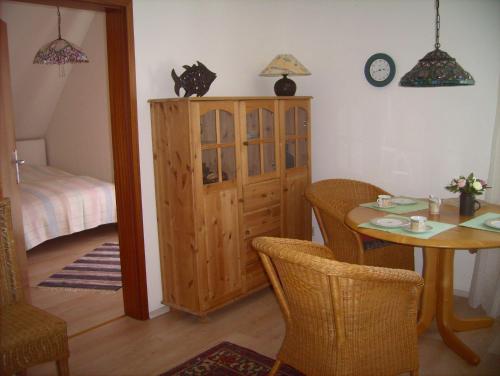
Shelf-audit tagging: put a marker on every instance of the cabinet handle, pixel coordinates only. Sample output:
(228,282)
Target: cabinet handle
(285,189)
(245,143)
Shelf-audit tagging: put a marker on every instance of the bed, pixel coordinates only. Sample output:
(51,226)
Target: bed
(55,202)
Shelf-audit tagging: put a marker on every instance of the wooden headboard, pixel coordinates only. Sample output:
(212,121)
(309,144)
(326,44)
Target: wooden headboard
(32,151)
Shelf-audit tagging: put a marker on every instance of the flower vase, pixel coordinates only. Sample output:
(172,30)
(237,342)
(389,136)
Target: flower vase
(468,204)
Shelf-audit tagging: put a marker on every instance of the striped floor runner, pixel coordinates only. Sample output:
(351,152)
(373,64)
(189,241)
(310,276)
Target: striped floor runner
(97,270)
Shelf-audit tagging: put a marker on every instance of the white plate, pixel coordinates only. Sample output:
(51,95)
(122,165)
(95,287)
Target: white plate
(493,223)
(390,222)
(427,229)
(383,207)
(403,201)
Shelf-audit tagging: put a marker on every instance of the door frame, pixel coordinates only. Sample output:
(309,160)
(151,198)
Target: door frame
(124,131)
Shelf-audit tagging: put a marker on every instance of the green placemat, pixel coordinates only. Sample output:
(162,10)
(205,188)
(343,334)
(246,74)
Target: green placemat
(478,222)
(437,227)
(399,209)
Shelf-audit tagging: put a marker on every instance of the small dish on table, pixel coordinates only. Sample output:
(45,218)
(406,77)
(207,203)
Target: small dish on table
(390,222)
(403,201)
(493,223)
(376,206)
(427,228)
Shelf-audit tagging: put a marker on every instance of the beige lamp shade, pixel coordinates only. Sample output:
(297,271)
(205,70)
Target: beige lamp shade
(285,65)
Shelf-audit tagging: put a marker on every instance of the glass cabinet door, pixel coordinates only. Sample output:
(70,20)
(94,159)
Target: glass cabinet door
(296,130)
(296,134)
(217,146)
(260,140)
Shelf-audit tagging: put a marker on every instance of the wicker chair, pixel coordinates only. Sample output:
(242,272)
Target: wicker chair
(29,336)
(341,319)
(331,200)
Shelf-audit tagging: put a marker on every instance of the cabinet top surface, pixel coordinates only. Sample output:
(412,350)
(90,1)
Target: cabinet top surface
(197,99)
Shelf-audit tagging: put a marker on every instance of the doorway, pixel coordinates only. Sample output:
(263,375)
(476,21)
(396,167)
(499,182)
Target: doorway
(123,113)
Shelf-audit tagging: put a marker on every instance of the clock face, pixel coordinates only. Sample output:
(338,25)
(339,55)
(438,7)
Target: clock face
(380,69)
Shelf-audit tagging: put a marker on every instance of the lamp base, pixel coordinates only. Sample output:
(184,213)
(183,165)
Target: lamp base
(285,87)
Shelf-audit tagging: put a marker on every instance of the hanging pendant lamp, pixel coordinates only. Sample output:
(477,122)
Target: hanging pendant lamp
(60,51)
(437,68)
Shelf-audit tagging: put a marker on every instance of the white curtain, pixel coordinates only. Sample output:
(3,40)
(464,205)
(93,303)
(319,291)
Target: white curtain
(485,287)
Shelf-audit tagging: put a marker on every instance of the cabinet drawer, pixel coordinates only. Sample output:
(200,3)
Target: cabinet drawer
(261,195)
(252,256)
(261,221)
(256,276)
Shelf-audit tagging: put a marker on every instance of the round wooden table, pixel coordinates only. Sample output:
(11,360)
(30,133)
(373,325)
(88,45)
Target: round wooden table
(437,296)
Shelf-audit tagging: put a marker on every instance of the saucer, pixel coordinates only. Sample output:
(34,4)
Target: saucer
(427,229)
(403,201)
(493,223)
(390,222)
(374,205)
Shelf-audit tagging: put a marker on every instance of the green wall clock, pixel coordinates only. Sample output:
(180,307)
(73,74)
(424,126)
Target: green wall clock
(380,69)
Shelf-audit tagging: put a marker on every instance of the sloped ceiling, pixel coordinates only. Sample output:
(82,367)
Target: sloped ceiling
(36,88)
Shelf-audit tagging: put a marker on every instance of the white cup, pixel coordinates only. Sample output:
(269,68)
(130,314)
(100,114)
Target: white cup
(417,223)
(383,201)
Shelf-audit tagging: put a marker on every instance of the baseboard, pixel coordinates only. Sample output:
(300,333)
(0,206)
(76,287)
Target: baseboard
(462,293)
(158,312)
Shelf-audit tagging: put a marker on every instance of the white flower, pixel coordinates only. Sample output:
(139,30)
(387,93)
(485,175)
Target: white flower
(477,185)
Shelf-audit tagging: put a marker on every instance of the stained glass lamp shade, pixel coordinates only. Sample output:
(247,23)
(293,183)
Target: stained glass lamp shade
(60,51)
(437,68)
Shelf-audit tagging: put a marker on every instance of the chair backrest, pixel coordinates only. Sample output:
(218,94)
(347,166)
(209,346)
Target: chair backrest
(10,283)
(336,313)
(331,200)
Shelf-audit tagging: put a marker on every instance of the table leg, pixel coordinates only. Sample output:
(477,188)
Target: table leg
(429,295)
(444,314)
(461,325)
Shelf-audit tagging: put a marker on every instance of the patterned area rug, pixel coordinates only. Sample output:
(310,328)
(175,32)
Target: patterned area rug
(228,359)
(98,270)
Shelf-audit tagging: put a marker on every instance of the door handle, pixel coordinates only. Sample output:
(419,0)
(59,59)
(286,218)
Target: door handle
(17,162)
(245,143)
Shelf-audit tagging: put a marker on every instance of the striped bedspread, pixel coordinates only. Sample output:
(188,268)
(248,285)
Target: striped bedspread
(56,203)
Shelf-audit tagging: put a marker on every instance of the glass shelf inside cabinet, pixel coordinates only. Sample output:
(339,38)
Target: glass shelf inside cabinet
(218,146)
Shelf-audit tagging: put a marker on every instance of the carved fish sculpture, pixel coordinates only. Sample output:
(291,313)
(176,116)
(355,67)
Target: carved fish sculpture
(195,80)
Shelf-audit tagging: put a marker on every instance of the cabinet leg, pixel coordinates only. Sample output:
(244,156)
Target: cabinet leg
(276,367)
(204,319)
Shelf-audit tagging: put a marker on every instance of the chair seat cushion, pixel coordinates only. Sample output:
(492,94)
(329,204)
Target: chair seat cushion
(30,336)
(372,243)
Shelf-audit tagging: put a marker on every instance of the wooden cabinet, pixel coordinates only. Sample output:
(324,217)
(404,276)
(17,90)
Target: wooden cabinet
(226,170)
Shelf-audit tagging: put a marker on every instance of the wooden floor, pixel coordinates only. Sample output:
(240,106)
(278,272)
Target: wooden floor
(81,310)
(130,347)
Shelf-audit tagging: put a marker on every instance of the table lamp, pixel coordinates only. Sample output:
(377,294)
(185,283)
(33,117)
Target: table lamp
(285,65)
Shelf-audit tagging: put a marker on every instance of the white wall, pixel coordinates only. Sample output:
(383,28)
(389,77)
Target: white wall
(36,88)
(408,141)
(79,134)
